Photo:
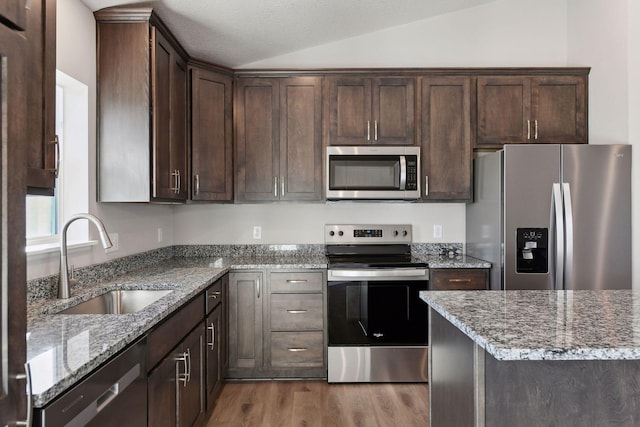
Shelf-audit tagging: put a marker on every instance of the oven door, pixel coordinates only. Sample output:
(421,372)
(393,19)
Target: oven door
(377,307)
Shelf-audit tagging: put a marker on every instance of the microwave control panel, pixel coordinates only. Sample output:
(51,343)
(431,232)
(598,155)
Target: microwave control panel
(412,173)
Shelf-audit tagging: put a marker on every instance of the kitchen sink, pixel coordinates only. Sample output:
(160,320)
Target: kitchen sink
(117,302)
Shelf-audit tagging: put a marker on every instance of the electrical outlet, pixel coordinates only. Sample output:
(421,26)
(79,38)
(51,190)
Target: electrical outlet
(437,231)
(115,243)
(257,232)
(160,237)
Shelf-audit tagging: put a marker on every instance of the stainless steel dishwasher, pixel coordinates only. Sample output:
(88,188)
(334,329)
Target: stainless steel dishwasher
(114,395)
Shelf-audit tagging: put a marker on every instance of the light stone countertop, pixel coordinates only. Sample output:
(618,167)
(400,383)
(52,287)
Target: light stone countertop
(62,349)
(545,325)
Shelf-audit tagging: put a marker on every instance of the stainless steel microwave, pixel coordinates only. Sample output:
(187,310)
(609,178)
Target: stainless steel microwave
(372,173)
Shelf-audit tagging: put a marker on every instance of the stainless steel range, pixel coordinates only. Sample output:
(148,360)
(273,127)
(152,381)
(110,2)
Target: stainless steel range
(377,323)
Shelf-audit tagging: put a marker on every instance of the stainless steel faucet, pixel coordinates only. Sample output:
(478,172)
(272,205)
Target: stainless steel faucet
(64,290)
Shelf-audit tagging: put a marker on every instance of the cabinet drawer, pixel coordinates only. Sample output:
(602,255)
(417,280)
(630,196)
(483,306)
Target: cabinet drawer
(296,312)
(213,296)
(297,349)
(166,336)
(296,282)
(458,279)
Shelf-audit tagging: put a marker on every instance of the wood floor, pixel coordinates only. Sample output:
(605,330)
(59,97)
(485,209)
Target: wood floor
(317,403)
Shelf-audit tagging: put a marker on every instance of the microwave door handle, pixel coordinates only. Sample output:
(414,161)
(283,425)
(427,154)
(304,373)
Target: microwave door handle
(403,172)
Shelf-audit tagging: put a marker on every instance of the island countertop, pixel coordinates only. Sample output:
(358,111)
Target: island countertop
(545,325)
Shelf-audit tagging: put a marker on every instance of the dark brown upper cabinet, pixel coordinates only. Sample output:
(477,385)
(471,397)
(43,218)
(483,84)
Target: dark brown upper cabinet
(531,109)
(142,108)
(43,151)
(211,135)
(13,14)
(365,110)
(446,138)
(279,139)
(14,122)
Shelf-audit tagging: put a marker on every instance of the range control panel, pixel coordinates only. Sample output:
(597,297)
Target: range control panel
(344,234)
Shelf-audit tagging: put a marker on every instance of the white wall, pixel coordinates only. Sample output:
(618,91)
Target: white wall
(633,49)
(503,33)
(136,225)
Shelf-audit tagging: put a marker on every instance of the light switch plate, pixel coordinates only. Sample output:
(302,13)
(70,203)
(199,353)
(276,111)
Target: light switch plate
(257,232)
(437,231)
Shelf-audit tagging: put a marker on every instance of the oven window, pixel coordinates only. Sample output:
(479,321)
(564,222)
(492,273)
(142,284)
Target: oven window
(364,173)
(377,313)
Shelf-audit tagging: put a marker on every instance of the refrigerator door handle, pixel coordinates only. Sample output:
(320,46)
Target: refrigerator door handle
(568,215)
(557,230)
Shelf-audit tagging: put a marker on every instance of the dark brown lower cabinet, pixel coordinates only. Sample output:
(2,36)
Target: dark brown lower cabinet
(213,356)
(175,385)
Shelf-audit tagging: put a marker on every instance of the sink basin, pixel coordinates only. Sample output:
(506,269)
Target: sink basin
(117,302)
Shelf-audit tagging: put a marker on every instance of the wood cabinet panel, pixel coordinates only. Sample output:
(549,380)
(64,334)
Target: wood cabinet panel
(393,111)
(297,312)
(300,139)
(161,391)
(164,337)
(211,136)
(190,390)
(297,349)
(559,109)
(246,292)
(301,281)
(531,109)
(446,138)
(13,14)
(458,279)
(41,97)
(278,139)
(364,110)
(13,302)
(142,109)
(215,336)
(257,140)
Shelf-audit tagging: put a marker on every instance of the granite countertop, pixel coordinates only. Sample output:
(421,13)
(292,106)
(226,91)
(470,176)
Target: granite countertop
(545,325)
(62,349)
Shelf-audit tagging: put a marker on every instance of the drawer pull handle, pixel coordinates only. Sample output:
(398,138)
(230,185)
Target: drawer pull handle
(295,281)
(459,280)
(297,350)
(214,295)
(296,311)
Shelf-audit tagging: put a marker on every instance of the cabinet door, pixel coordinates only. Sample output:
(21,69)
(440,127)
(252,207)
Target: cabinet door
(211,136)
(559,109)
(446,138)
(170,121)
(190,390)
(257,133)
(13,11)
(301,138)
(164,178)
(178,117)
(246,292)
(13,318)
(41,97)
(162,387)
(350,111)
(504,111)
(214,356)
(393,111)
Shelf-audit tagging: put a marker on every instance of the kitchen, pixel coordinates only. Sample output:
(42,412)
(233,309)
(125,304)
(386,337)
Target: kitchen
(567,40)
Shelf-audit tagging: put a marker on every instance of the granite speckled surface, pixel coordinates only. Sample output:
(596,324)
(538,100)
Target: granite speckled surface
(64,348)
(546,325)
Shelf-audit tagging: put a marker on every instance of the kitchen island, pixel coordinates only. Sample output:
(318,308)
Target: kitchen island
(524,358)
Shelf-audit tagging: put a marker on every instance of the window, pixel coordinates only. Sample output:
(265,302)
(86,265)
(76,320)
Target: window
(45,215)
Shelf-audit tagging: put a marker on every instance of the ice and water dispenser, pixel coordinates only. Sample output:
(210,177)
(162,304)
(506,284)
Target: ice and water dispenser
(532,248)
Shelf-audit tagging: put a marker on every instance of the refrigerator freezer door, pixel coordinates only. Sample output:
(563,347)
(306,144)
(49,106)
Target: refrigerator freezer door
(529,174)
(599,179)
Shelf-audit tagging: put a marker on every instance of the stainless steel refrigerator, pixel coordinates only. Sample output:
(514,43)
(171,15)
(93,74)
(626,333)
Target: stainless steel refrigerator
(553,216)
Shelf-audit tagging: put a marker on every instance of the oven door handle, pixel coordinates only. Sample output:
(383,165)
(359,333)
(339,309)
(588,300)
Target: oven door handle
(408,272)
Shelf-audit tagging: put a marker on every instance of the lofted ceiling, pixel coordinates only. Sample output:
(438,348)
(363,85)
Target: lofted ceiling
(238,32)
